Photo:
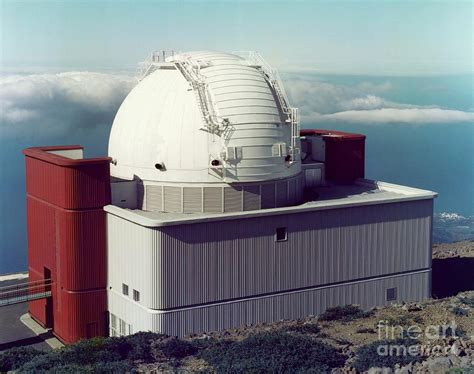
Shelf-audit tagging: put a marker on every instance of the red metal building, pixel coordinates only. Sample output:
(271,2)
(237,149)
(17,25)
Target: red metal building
(67,239)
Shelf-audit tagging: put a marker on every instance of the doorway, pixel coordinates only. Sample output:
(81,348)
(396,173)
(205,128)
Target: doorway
(49,313)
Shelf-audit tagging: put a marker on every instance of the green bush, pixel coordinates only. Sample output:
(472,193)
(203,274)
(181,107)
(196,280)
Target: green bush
(367,356)
(344,313)
(177,349)
(14,358)
(304,328)
(44,362)
(140,345)
(272,352)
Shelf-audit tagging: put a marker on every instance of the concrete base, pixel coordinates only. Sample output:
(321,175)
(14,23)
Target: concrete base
(34,326)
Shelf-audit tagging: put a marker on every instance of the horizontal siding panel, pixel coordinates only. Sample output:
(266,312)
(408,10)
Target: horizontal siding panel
(410,287)
(176,266)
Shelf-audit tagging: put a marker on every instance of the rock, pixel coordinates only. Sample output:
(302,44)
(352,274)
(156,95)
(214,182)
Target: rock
(405,370)
(412,307)
(380,371)
(438,363)
(455,360)
(466,362)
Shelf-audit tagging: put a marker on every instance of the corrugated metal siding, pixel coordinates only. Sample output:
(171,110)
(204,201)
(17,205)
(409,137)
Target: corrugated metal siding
(80,187)
(81,242)
(410,287)
(200,263)
(66,233)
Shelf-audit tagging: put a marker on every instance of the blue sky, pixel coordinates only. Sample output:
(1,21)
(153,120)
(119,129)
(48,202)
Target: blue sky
(353,37)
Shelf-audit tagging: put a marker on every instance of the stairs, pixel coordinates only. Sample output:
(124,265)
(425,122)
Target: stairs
(214,124)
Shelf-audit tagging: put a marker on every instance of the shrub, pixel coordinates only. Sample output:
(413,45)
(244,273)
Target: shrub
(467,300)
(178,349)
(305,328)
(43,362)
(368,356)
(14,358)
(140,345)
(345,313)
(459,311)
(272,352)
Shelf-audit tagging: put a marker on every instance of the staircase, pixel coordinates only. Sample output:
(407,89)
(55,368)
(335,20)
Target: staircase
(214,124)
(25,291)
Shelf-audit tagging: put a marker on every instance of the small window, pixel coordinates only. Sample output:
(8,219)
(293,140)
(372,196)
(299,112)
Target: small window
(113,321)
(391,294)
(281,234)
(136,295)
(124,289)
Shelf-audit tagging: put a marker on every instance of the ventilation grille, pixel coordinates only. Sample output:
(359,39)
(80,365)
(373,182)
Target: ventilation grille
(198,199)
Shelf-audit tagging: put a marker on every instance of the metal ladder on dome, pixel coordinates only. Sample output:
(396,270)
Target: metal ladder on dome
(214,124)
(25,291)
(273,78)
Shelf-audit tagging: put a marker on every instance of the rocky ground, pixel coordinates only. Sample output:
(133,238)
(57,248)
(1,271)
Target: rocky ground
(463,248)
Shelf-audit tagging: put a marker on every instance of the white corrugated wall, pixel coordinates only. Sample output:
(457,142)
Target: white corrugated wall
(185,265)
(292,305)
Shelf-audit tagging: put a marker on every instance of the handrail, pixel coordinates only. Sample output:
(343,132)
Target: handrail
(156,57)
(24,292)
(41,281)
(191,71)
(273,78)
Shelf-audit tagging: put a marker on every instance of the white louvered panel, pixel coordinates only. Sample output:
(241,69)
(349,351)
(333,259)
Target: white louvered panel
(192,199)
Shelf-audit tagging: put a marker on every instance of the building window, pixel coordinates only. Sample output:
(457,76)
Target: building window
(124,289)
(281,234)
(136,295)
(391,294)
(118,327)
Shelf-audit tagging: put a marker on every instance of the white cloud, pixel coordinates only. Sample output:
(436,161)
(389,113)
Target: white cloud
(321,101)
(396,115)
(57,103)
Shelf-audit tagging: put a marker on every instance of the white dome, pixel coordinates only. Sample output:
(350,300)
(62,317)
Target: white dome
(162,122)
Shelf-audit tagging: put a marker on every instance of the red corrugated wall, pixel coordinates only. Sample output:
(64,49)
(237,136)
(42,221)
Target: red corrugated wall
(345,154)
(67,235)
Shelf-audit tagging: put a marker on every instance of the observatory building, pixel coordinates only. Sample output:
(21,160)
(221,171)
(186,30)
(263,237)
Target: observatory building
(214,210)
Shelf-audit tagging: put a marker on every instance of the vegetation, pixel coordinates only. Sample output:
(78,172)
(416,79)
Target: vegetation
(99,355)
(15,358)
(344,313)
(272,352)
(467,300)
(305,328)
(385,353)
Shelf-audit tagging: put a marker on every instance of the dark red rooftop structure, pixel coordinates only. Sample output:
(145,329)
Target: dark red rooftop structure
(344,154)
(67,239)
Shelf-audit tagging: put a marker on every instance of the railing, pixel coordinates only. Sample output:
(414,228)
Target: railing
(25,291)
(273,78)
(191,71)
(149,65)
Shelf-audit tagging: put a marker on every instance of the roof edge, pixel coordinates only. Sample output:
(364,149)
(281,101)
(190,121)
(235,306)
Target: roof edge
(43,153)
